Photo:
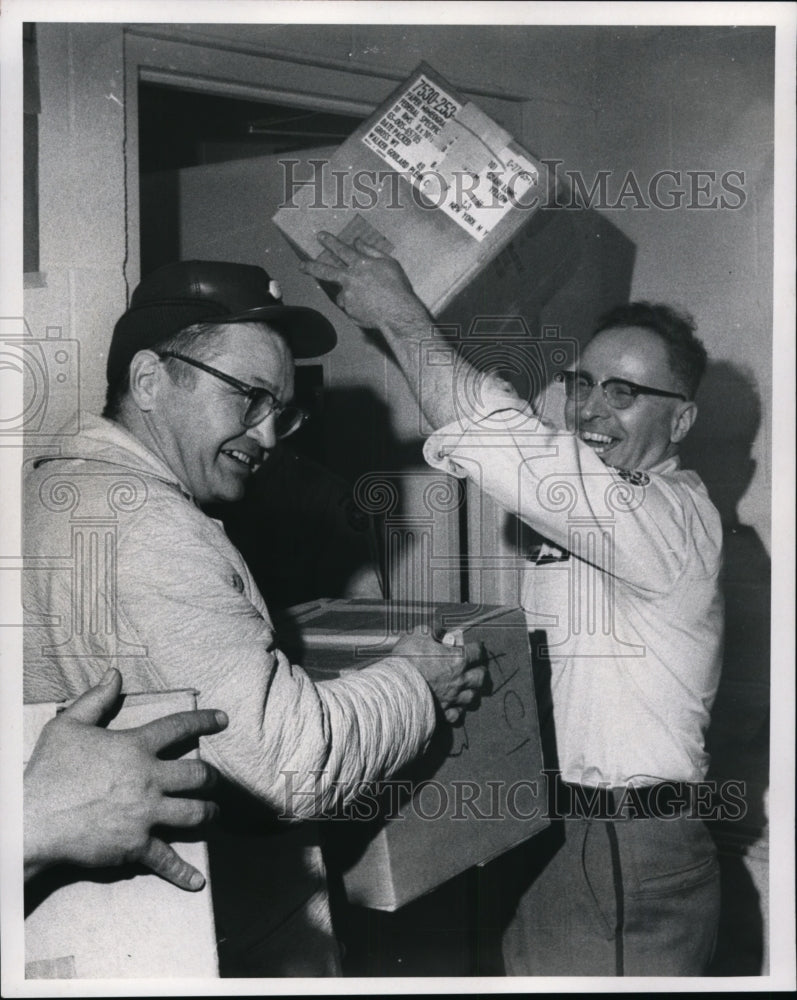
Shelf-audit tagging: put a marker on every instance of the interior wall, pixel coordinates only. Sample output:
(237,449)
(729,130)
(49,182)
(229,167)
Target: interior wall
(82,227)
(694,100)
(647,99)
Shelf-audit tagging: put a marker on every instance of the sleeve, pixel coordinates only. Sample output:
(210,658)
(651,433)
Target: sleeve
(300,747)
(637,524)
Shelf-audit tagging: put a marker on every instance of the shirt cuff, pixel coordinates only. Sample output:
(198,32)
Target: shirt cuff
(499,425)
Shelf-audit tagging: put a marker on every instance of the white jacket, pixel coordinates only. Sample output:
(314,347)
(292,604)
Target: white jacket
(123,569)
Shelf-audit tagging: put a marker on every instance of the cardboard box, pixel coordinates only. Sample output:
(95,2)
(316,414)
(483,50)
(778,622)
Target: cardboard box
(478,790)
(441,184)
(116,922)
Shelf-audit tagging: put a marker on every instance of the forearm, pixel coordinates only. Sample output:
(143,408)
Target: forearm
(432,385)
(445,392)
(552,482)
(376,294)
(382,718)
(304,748)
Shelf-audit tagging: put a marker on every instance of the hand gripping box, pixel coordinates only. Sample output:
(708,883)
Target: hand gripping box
(477,792)
(430,178)
(119,922)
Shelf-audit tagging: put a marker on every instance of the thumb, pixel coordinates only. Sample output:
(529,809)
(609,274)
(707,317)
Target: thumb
(93,705)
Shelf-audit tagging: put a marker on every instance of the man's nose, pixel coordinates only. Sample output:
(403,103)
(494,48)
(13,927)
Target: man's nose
(264,433)
(594,404)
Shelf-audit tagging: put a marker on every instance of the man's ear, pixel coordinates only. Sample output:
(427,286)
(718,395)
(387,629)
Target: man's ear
(683,418)
(146,376)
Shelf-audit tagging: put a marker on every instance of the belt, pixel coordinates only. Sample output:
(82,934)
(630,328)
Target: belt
(664,800)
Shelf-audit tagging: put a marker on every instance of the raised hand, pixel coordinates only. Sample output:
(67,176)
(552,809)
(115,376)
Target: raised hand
(374,290)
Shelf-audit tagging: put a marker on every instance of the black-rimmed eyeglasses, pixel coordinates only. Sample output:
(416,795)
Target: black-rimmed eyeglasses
(619,393)
(288,418)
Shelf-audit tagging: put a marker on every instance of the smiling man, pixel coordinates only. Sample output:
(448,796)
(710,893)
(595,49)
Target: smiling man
(634,343)
(214,456)
(125,569)
(623,602)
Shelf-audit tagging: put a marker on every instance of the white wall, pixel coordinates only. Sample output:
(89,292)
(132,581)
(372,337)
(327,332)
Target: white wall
(81,194)
(702,100)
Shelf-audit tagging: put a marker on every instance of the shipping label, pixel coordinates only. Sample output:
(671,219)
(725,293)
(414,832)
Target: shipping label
(456,157)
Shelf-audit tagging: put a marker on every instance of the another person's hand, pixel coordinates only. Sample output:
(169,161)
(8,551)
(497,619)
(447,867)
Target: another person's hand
(374,290)
(93,795)
(452,672)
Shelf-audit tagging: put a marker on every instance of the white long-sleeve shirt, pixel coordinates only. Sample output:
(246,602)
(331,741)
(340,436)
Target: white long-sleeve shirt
(624,581)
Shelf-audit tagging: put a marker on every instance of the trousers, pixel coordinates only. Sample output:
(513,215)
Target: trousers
(617,897)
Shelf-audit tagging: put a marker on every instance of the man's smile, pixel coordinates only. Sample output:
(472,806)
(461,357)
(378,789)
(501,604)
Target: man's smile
(599,443)
(250,462)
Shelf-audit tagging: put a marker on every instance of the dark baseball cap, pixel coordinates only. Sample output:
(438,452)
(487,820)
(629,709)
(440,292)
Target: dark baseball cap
(185,292)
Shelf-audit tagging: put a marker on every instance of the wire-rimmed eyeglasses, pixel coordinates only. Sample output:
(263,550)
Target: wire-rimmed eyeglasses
(262,402)
(619,393)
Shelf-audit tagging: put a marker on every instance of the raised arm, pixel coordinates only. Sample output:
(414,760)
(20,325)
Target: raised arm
(376,293)
(505,449)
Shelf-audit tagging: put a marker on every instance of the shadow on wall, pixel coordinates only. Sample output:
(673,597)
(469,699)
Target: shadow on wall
(295,526)
(300,528)
(561,271)
(719,448)
(302,535)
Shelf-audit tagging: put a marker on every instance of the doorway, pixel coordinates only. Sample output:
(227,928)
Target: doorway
(180,128)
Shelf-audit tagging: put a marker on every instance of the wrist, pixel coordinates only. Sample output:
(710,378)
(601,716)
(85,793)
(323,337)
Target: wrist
(412,322)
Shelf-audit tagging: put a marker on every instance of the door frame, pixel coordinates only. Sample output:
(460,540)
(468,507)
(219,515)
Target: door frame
(152,58)
(192,57)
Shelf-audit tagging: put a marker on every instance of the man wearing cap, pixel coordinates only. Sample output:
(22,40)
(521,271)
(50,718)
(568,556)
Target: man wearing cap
(621,591)
(125,569)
